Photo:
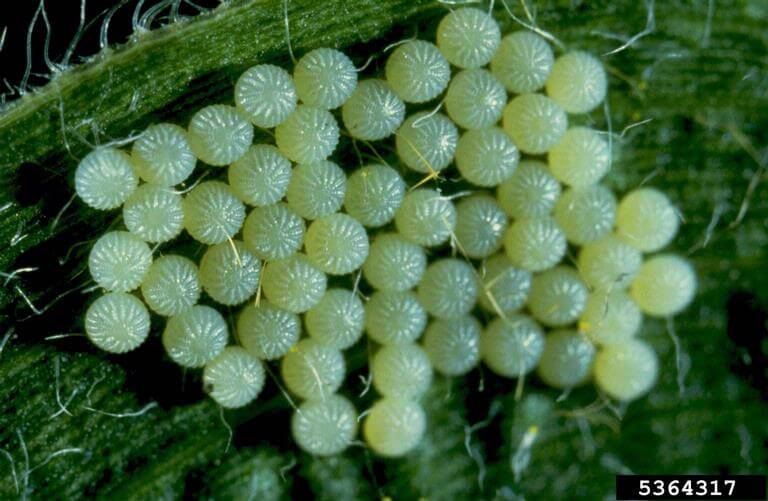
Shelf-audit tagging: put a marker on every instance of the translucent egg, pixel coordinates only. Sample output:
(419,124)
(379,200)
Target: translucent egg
(586,214)
(273,232)
(503,288)
(119,261)
(626,371)
(162,156)
(324,78)
(267,332)
(664,285)
(577,82)
(394,317)
(393,263)
(453,345)
(374,193)
(373,111)
(480,226)
(530,192)
(610,317)
(394,426)
(229,272)
(219,134)
(580,158)
(426,142)
(417,71)
(212,213)
(609,263)
(535,244)
(337,244)
(337,320)
(401,370)
(425,218)
(448,288)
(512,347)
(234,378)
(105,178)
(523,62)
(261,176)
(316,189)
(154,214)
(293,283)
(468,38)
(324,427)
(117,322)
(646,219)
(486,157)
(308,134)
(475,99)
(558,296)
(265,94)
(313,370)
(195,337)
(566,360)
(534,122)
(171,285)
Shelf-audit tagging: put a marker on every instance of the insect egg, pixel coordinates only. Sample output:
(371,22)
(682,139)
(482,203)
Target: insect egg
(212,213)
(219,134)
(468,37)
(324,78)
(566,360)
(475,99)
(535,244)
(373,111)
(337,244)
(229,273)
(261,176)
(337,320)
(586,214)
(308,134)
(104,178)
(580,158)
(646,219)
(530,192)
(453,345)
(162,156)
(480,226)
(273,232)
(316,189)
(486,157)
(394,426)
(664,285)
(312,370)
(512,346)
(448,288)
(425,218)
(394,317)
(558,296)
(393,263)
(577,82)
(610,317)
(171,285)
(267,332)
(504,288)
(426,142)
(117,322)
(195,337)
(417,71)
(293,283)
(534,122)
(324,427)
(374,192)
(609,262)
(401,370)
(234,378)
(626,371)
(154,213)
(119,260)
(265,94)
(523,62)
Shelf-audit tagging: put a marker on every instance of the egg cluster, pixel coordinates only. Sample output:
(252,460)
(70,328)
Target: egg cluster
(286,221)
